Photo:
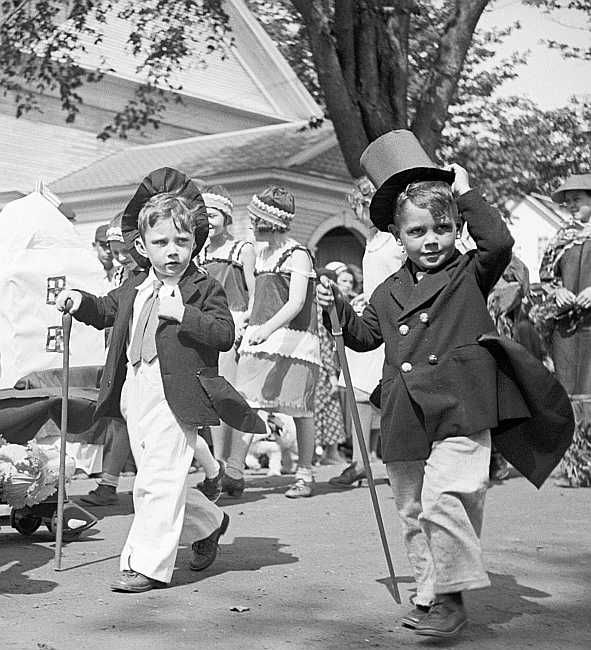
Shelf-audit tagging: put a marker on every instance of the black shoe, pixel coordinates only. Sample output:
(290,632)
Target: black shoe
(102,495)
(234,487)
(348,476)
(414,617)
(212,487)
(205,550)
(445,619)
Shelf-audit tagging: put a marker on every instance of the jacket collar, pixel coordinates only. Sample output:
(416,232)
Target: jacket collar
(411,295)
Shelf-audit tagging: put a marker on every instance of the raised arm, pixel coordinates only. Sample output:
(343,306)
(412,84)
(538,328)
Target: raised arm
(488,230)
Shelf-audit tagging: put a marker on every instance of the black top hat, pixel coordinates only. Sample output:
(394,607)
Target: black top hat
(161,181)
(391,162)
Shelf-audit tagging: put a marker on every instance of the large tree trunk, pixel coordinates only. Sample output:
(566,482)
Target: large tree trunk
(342,107)
(361,56)
(432,110)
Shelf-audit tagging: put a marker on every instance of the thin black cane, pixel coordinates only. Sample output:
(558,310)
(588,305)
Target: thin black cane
(337,332)
(61,486)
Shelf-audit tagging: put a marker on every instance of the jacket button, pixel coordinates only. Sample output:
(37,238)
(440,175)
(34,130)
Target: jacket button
(424,317)
(404,330)
(406,367)
(433,360)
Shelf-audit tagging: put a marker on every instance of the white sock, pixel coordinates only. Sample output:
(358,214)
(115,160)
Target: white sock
(204,457)
(304,473)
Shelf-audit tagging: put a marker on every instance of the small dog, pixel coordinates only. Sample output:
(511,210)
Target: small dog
(280,445)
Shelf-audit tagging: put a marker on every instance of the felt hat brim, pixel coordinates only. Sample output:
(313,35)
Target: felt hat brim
(383,203)
(572,183)
(161,181)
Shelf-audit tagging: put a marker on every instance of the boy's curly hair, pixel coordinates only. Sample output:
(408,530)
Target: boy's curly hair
(167,206)
(435,196)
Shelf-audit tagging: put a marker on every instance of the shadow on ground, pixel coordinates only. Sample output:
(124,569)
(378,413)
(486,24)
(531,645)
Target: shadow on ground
(20,555)
(243,554)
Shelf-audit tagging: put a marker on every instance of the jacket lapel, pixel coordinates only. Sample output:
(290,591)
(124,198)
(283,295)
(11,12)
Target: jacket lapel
(401,285)
(189,283)
(423,292)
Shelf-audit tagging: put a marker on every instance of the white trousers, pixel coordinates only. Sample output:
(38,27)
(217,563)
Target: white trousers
(163,449)
(440,502)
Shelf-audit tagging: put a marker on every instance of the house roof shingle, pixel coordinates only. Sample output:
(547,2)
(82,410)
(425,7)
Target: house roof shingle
(284,146)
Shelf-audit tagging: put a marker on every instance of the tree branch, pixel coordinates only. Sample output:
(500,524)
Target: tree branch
(432,109)
(342,108)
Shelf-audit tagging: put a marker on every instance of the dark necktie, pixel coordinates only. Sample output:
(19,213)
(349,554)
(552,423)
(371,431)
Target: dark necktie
(143,343)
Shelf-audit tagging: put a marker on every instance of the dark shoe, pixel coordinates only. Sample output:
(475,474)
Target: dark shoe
(102,495)
(414,617)
(134,582)
(348,476)
(234,487)
(205,550)
(445,619)
(212,487)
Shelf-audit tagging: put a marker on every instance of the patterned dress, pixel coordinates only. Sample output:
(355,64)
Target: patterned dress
(280,374)
(567,263)
(328,414)
(225,266)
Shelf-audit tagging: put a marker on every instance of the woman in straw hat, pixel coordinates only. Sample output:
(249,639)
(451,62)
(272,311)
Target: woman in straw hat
(566,274)
(280,351)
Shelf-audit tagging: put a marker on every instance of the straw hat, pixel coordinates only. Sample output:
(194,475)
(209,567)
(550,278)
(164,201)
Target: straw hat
(391,162)
(574,182)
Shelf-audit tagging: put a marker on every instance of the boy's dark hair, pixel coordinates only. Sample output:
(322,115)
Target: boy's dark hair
(167,206)
(435,196)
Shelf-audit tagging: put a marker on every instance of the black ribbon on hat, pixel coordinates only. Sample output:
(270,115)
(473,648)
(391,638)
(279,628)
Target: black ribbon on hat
(163,181)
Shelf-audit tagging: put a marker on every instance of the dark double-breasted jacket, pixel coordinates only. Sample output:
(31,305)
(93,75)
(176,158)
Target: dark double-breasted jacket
(437,380)
(185,350)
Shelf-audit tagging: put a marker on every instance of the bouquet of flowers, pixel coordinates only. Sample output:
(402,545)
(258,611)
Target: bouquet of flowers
(29,473)
(547,317)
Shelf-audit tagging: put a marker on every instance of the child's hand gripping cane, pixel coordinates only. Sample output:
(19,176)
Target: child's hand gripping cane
(326,292)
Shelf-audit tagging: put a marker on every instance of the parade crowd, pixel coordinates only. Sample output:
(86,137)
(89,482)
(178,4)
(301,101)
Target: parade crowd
(221,357)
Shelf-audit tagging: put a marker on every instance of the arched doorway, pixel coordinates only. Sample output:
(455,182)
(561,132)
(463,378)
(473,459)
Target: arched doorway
(340,244)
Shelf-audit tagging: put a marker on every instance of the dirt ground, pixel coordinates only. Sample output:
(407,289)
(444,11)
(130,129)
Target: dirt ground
(307,574)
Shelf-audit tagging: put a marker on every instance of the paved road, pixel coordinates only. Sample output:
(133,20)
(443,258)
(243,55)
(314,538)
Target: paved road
(308,575)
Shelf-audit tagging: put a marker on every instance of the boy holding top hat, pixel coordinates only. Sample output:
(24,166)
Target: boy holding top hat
(439,396)
(170,321)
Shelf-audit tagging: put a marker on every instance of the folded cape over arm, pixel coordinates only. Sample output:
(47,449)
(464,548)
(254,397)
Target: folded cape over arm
(535,444)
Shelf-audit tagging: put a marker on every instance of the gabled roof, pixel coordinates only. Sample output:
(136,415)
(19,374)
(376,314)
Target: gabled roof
(545,208)
(254,76)
(293,146)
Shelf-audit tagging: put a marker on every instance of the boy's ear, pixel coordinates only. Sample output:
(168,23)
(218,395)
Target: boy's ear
(393,230)
(139,246)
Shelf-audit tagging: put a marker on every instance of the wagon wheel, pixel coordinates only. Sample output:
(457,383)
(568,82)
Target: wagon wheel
(67,534)
(24,522)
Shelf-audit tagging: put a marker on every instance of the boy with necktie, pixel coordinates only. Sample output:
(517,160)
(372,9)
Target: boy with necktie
(170,321)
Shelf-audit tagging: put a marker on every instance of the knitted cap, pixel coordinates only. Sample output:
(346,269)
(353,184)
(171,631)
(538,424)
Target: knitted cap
(217,197)
(275,205)
(114,230)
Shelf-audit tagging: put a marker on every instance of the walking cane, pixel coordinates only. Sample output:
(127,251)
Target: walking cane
(337,332)
(61,486)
